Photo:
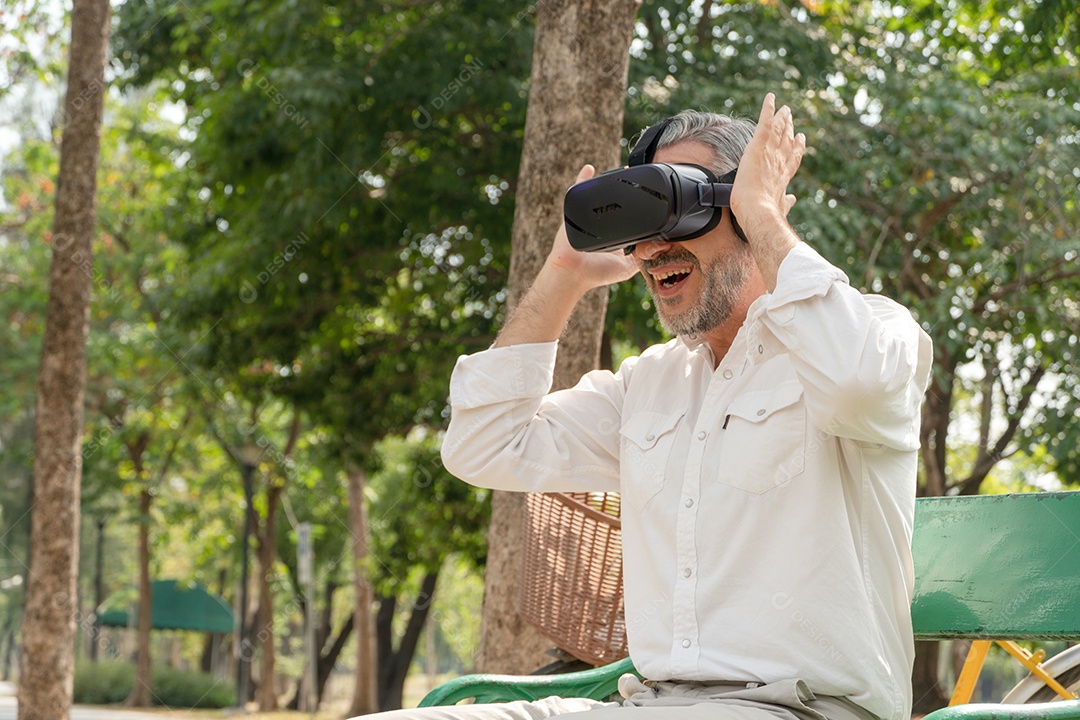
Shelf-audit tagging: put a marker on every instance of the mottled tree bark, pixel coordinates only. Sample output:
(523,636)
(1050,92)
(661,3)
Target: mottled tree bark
(575,116)
(45,682)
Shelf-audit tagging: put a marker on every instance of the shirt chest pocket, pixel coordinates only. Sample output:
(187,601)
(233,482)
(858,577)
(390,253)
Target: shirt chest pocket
(647,439)
(764,439)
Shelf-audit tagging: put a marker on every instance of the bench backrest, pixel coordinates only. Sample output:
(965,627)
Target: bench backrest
(997,566)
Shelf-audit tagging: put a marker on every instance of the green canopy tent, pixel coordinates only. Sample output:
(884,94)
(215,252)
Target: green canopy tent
(177,606)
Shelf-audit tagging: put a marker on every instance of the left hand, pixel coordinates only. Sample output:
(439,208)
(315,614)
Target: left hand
(769,162)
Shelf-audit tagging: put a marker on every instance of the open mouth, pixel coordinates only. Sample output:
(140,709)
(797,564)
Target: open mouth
(671,278)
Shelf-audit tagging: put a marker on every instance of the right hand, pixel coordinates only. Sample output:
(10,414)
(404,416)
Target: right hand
(589,269)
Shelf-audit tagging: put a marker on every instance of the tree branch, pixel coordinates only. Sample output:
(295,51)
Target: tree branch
(1047,275)
(172,448)
(942,208)
(294,434)
(982,468)
(986,408)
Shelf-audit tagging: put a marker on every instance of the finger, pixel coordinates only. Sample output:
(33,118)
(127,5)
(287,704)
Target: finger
(789,202)
(800,145)
(784,125)
(768,109)
(586,172)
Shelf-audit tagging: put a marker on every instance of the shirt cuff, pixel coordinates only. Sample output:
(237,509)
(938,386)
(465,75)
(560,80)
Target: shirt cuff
(803,274)
(516,372)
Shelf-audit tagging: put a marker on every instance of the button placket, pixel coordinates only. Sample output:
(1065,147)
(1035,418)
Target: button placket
(684,606)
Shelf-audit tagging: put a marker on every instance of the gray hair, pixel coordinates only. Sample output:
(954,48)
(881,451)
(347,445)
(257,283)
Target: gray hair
(724,135)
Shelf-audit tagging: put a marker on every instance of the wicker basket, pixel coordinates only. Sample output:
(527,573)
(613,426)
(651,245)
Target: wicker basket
(571,586)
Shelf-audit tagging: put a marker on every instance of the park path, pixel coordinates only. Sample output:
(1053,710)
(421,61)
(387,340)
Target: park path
(8,709)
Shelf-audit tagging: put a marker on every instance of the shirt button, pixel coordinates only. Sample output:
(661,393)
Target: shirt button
(686,643)
(687,572)
(689,502)
(650,437)
(727,374)
(760,349)
(761,411)
(702,435)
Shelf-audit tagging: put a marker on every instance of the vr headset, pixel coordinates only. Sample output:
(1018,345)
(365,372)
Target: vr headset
(646,201)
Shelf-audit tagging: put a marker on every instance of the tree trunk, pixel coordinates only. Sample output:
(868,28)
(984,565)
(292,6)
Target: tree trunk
(7,640)
(395,662)
(266,556)
(384,633)
(264,638)
(141,695)
(212,645)
(926,690)
(928,693)
(365,693)
(327,661)
(575,115)
(45,683)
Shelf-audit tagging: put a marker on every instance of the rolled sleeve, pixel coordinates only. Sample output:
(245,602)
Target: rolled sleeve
(803,275)
(510,373)
(506,432)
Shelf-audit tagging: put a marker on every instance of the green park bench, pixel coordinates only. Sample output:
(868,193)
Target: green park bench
(987,567)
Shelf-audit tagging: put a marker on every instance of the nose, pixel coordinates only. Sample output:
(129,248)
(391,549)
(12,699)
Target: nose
(651,248)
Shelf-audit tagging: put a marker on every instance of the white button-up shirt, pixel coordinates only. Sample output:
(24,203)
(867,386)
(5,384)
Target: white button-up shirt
(767,501)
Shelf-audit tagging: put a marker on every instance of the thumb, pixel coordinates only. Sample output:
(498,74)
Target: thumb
(789,202)
(586,172)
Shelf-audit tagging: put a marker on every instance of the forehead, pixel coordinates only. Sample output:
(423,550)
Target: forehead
(687,152)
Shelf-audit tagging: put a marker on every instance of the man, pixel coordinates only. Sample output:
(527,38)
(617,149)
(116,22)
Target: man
(766,457)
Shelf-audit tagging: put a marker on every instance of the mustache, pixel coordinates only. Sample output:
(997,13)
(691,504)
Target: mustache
(673,255)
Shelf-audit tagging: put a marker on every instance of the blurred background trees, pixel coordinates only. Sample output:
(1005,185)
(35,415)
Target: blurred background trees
(305,214)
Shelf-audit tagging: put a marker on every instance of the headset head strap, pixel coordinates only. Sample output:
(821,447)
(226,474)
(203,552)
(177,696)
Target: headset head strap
(645,147)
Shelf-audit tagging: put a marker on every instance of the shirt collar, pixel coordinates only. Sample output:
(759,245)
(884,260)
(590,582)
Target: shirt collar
(696,343)
(693,341)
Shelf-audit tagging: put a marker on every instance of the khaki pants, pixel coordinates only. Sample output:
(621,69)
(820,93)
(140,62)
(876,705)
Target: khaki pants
(784,700)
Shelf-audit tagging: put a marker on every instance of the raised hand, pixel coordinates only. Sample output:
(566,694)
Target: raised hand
(768,164)
(566,276)
(759,198)
(591,269)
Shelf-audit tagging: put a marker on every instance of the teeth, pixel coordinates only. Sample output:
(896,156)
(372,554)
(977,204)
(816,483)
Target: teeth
(669,273)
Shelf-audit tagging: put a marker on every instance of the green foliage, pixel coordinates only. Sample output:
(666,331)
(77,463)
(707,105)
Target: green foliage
(456,615)
(941,171)
(178,688)
(109,683)
(103,683)
(445,515)
(323,134)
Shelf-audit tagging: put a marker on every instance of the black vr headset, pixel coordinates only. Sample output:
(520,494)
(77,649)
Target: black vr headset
(646,201)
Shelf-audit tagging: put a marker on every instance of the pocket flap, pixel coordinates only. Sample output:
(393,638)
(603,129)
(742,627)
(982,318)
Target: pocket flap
(758,405)
(645,428)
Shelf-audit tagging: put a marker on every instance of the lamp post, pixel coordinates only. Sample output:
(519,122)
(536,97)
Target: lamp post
(99,587)
(249,459)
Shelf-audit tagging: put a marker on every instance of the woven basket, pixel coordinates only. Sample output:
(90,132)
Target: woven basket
(571,585)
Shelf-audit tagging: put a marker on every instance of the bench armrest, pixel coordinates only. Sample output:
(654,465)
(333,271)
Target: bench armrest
(596,684)
(1061,710)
